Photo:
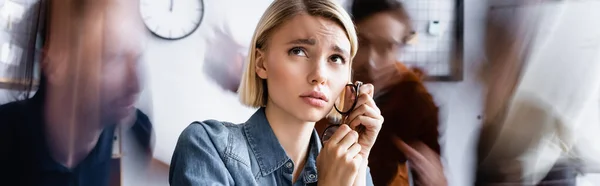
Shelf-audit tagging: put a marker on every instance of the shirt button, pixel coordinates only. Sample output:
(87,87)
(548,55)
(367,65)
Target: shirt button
(289,165)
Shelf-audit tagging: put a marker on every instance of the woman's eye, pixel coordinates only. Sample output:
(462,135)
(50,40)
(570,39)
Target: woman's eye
(337,59)
(297,51)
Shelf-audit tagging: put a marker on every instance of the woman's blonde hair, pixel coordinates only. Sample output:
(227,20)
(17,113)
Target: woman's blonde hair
(253,89)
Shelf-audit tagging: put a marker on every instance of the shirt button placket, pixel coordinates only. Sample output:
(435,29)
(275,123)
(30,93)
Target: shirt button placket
(289,170)
(312,177)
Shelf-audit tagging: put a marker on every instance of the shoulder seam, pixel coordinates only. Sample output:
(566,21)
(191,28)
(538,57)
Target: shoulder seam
(226,154)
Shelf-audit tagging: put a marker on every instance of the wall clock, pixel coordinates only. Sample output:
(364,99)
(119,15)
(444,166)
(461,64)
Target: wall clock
(172,19)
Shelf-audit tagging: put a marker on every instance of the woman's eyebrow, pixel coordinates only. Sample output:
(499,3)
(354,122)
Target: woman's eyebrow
(303,41)
(340,50)
(313,42)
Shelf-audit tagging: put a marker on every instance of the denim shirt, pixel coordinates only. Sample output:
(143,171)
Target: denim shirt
(221,153)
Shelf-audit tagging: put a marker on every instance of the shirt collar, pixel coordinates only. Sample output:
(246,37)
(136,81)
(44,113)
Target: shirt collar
(270,155)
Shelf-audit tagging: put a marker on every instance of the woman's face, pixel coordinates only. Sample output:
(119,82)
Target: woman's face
(380,38)
(306,64)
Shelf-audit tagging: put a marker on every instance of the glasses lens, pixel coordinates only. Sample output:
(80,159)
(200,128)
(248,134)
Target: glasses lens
(329,132)
(348,97)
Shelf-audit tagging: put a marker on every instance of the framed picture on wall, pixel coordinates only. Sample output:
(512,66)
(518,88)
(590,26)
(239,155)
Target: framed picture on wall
(20,43)
(438,49)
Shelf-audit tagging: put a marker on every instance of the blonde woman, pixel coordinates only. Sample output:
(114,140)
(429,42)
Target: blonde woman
(300,61)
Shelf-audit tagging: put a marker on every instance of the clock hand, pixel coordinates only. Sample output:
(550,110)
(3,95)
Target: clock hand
(171,7)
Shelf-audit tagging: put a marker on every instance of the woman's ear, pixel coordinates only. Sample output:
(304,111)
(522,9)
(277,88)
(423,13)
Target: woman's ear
(261,65)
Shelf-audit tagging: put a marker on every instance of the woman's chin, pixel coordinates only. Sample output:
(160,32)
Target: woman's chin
(313,115)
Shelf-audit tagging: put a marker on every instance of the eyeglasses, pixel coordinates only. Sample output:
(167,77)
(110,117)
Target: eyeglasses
(347,105)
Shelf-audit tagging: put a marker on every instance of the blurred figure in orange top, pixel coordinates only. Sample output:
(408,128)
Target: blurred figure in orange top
(411,116)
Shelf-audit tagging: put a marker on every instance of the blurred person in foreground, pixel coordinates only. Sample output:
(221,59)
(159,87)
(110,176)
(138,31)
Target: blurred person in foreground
(411,116)
(89,84)
(542,110)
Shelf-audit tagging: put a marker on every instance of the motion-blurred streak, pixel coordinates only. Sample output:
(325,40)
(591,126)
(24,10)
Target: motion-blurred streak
(543,102)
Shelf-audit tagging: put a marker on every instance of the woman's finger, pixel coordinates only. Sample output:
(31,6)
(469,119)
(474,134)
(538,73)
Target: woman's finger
(367,117)
(354,150)
(338,135)
(350,139)
(365,99)
(365,123)
(358,111)
(368,89)
(363,110)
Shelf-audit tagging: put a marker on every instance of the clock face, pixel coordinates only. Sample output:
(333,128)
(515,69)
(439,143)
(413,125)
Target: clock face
(172,19)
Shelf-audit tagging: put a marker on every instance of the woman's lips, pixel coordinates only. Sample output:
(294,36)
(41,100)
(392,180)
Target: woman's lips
(315,102)
(315,98)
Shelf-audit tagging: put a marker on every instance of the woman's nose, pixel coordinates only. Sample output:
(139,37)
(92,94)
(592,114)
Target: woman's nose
(318,74)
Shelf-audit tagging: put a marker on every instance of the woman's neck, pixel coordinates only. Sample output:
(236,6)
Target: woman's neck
(292,133)
(71,132)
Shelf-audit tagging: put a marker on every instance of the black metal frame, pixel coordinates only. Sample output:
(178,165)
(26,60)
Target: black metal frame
(457,63)
(356,87)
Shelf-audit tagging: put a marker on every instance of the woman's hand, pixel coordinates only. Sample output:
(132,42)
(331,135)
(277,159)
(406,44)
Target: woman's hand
(425,162)
(366,119)
(340,160)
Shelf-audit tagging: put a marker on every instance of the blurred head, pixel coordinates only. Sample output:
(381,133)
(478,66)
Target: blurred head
(92,53)
(300,58)
(383,28)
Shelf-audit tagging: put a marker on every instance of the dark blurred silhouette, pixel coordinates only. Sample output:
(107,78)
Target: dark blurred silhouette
(89,84)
